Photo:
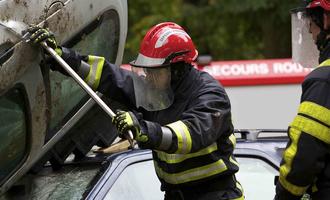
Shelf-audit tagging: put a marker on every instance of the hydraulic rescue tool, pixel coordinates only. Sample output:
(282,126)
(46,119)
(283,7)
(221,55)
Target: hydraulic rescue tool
(84,86)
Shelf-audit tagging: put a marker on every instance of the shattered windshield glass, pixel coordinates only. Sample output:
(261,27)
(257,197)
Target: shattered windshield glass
(68,183)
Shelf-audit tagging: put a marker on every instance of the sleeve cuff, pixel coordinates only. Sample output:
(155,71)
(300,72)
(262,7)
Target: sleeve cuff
(283,194)
(154,134)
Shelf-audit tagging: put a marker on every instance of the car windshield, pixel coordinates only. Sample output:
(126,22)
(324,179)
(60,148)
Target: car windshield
(257,178)
(139,181)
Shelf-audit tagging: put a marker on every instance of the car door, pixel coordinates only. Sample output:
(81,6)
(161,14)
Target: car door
(39,106)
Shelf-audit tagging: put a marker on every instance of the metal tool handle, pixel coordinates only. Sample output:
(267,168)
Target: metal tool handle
(84,85)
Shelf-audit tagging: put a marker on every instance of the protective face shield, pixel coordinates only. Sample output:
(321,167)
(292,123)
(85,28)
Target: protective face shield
(304,49)
(164,44)
(152,86)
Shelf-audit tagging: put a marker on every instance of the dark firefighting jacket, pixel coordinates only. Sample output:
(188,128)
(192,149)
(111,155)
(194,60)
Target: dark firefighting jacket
(200,119)
(306,161)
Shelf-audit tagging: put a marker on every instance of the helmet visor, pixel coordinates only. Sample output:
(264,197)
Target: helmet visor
(152,87)
(304,49)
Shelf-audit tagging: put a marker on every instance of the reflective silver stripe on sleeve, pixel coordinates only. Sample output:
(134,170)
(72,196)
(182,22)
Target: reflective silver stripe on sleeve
(183,135)
(83,69)
(166,142)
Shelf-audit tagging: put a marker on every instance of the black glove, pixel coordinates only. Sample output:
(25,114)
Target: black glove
(125,121)
(73,58)
(39,35)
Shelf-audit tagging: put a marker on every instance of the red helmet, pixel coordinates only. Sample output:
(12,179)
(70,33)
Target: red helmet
(325,4)
(165,43)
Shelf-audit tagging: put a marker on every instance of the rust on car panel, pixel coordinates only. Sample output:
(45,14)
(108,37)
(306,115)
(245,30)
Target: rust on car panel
(14,68)
(38,10)
(61,24)
(39,108)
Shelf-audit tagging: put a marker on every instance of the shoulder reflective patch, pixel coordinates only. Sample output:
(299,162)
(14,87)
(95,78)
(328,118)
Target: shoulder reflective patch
(183,136)
(94,76)
(192,174)
(288,157)
(312,128)
(325,63)
(177,158)
(316,111)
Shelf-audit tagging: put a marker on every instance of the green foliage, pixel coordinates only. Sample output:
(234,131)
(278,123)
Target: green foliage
(143,14)
(235,29)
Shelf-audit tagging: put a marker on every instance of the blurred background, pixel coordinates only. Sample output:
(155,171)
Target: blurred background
(245,31)
(226,30)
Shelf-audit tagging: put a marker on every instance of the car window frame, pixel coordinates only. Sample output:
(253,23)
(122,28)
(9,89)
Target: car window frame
(117,163)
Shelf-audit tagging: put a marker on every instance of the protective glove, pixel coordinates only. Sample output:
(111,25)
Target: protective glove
(73,58)
(38,35)
(125,121)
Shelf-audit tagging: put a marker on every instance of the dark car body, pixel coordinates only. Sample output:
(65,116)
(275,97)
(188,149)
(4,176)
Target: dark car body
(130,174)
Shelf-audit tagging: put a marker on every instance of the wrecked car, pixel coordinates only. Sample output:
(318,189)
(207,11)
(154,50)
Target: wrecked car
(40,107)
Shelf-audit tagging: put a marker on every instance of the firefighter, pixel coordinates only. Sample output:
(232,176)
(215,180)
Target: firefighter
(305,167)
(182,114)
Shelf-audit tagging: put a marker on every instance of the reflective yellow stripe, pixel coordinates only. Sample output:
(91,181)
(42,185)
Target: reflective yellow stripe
(233,139)
(288,157)
(239,198)
(192,174)
(312,127)
(177,158)
(290,152)
(90,62)
(238,185)
(231,159)
(296,190)
(183,136)
(314,188)
(94,75)
(325,63)
(316,111)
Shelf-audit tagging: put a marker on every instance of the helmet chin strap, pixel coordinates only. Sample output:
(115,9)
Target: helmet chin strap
(322,40)
(178,71)
(322,43)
